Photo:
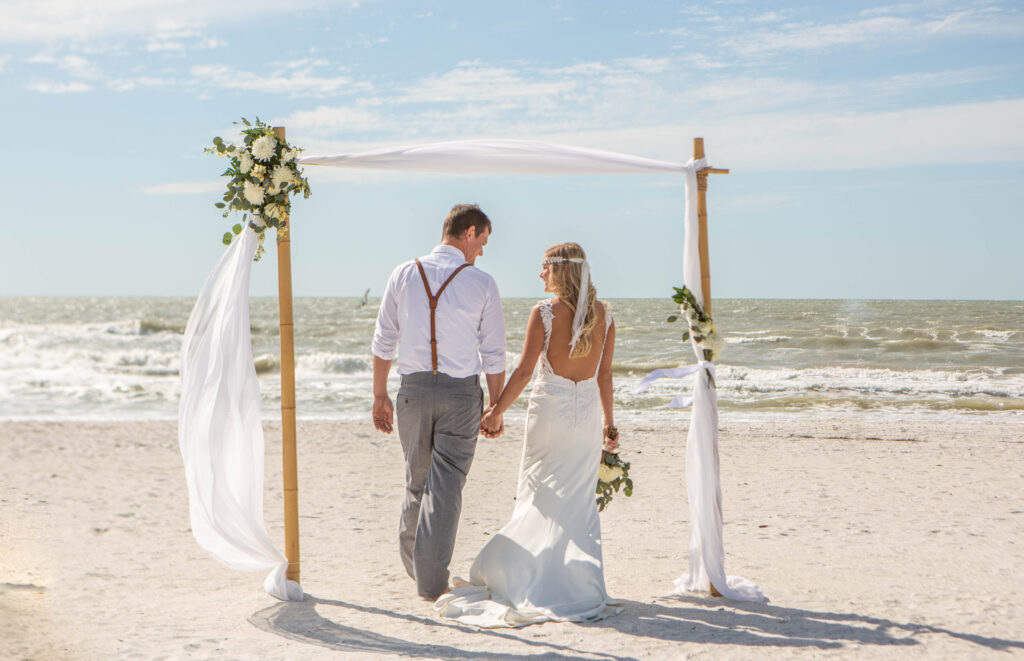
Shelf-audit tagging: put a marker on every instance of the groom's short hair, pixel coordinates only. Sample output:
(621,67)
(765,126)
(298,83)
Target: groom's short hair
(461,218)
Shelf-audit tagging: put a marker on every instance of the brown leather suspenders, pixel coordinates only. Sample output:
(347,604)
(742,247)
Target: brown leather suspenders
(433,298)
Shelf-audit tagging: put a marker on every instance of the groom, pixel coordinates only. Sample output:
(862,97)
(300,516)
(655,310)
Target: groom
(441,318)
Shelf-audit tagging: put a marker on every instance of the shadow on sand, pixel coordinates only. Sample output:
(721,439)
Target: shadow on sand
(300,621)
(715,621)
(683,619)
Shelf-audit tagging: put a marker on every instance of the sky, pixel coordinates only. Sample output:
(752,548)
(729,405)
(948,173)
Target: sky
(876,150)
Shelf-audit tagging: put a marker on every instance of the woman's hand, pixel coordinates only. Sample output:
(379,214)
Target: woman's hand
(611,439)
(492,424)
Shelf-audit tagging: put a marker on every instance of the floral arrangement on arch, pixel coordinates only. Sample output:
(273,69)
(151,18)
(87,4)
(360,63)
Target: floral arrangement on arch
(264,175)
(700,327)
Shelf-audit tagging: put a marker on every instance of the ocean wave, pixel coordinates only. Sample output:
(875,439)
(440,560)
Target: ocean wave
(767,339)
(335,363)
(832,342)
(923,346)
(997,335)
(146,326)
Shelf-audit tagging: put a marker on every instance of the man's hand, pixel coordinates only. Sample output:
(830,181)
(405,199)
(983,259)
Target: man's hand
(383,414)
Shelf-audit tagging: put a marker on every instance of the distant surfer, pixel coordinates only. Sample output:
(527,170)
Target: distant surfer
(366,298)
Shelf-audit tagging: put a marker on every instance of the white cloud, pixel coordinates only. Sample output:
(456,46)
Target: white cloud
(808,36)
(80,22)
(325,119)
(294,82)
(971,133)
(474,82)
(4,59)
(128,84)
(876,28)
(176,37)
(78,67)
(59,88)
(158,46)
(767,17)
(965,133)
(184,188)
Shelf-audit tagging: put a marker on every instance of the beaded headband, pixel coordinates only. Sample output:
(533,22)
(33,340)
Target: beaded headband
(562,260)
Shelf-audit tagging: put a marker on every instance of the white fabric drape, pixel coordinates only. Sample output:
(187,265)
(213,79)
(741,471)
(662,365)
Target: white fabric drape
(703,489)
(220,433)
(498,156)
(219,427)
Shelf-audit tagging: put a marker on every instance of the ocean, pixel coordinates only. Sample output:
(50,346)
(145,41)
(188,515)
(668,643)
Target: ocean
(117,358)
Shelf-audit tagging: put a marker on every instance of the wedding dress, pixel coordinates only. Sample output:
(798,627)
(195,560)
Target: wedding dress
(545,564)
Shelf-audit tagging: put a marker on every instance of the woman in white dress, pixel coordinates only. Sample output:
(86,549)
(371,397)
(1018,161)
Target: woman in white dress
(545,564)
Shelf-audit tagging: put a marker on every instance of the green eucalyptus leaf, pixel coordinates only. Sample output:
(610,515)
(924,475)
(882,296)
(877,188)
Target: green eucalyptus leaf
(237,229)
(226,239)
(220,205)
(672,319)
(246,121)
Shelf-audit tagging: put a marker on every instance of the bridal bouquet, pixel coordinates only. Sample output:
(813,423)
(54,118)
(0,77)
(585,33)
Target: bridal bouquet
(700,327)
(264,174)
(612,473)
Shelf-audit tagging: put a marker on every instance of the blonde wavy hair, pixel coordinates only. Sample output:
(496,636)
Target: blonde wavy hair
(565,281)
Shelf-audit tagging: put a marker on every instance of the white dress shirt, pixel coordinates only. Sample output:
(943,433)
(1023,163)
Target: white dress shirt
(469,320)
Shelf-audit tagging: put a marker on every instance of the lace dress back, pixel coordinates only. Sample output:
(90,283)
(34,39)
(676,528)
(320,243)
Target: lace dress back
(547,315)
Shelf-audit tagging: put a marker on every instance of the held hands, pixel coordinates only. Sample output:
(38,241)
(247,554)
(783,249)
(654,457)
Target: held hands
(492,424)
(383,414)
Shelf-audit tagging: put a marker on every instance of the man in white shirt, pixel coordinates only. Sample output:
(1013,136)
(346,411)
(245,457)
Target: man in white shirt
(441,318)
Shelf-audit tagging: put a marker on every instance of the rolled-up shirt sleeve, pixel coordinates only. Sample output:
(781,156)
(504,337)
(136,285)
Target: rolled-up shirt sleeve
(387,332)
(492,332)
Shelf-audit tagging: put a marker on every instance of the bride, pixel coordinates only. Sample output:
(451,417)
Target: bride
(545,564)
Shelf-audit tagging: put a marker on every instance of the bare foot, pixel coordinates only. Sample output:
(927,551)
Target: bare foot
(459,583)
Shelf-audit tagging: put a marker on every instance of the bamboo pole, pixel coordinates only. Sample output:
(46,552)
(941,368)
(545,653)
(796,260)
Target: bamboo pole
(288,454)
(705,265)
(702,218)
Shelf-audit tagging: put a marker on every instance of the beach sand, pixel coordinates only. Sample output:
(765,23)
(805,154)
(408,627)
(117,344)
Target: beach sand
(873,539)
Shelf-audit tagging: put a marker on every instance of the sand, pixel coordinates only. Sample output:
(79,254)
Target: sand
(873,538)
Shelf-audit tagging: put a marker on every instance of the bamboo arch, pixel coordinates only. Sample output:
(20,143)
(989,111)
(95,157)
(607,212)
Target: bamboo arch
(220,431)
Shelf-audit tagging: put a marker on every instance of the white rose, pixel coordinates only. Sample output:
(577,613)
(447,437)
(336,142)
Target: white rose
(607,473)
(254,193)
(716,344)
(244,163)
(281,174)
(264,147)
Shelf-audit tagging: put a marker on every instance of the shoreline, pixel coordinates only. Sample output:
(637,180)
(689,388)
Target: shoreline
(872,539)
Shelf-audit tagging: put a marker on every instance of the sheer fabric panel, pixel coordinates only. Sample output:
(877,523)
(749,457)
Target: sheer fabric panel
(219,426)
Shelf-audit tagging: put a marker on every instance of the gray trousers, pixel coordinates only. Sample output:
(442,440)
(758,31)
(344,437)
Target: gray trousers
(438,424)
